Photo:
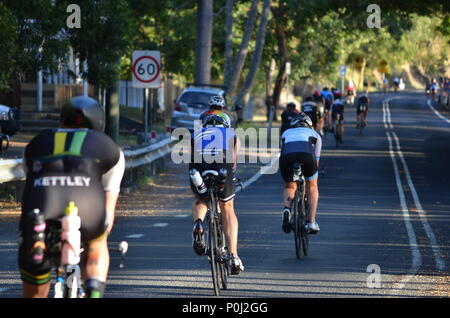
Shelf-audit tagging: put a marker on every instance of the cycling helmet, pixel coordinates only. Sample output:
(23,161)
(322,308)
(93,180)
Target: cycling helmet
(316,93)
(215,120)
(216,102)
(83,112)
(337,94)
(301,120)
(291,105)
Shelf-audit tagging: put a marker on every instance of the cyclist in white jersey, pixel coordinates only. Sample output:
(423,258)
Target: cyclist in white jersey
(300,144)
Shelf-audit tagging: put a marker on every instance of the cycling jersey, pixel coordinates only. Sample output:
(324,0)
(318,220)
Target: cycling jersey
(213,149)
(286,118)
(300,145)
(329,97)
(64,165)
(337,108)
(310,109)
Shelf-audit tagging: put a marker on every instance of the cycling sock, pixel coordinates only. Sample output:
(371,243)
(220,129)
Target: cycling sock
(95,288)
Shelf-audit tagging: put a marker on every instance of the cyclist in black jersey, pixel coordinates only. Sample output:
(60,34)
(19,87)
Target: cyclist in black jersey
(75,163)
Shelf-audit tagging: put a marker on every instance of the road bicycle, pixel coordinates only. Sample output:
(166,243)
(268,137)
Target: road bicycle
(216,249)
(69,283)
(360,122)
(337,129)
(300,214)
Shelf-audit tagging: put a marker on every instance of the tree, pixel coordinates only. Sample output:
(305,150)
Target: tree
(204,41)
(256,58)
(8,48)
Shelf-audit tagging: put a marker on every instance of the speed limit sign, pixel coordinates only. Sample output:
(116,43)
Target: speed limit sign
(146,69)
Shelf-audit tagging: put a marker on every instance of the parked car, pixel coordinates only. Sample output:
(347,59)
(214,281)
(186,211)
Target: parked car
(9,120)
(193,101)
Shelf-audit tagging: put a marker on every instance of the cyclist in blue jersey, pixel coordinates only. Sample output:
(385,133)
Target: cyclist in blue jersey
(215,146)
(328,98)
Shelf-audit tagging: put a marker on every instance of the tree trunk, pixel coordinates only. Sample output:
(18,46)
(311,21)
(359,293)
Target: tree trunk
(257,53)
(269,80)
(282,54)
(228,65)
(204,42)
(243,49)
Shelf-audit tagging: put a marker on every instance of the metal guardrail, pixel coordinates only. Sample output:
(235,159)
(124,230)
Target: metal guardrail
(11,169)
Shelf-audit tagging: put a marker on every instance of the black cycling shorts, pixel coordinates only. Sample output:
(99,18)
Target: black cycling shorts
(314,116)
(308,161)
(336,111)
(51,198)
(362,108)
(229,190)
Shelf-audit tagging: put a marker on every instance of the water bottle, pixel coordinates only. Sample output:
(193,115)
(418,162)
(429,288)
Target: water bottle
(71,236)
(38,236)
(197,180)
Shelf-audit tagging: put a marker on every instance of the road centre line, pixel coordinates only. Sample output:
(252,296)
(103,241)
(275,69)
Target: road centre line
(416,256)
(440,265)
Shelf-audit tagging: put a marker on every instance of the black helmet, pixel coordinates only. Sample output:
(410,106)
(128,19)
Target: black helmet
(216,102)
(215,120)
(301,120)
(291,105)
(83,111)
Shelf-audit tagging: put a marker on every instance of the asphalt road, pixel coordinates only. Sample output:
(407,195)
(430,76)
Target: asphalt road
(384,205)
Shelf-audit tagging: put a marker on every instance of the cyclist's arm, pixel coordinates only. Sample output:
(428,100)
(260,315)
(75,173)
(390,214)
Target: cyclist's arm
(111,184)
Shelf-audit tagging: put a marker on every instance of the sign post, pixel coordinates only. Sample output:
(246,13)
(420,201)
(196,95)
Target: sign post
(342,73)
(146,70)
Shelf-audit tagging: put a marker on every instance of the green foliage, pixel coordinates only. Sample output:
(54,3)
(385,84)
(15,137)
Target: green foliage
(40,42)
(103,38)
(8,48)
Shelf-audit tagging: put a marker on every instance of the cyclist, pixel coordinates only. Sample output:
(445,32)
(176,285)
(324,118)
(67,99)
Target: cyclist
(351,92)
(361,116)
(309,107)
(300,144)
(329,100)
(337,108)
(287,115)
(218,141)
(75,163)
(319,100)
(433,88)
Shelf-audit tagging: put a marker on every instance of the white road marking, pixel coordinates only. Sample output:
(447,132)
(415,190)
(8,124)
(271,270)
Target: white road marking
(437,113)
(160,224)
(181,215)
(135,236)
(417,258)
(440,265)
(262,170)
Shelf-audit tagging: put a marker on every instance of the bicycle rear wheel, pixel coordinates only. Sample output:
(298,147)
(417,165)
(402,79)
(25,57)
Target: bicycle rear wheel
(212,250)
(223,267)
(303,213)
(297,228)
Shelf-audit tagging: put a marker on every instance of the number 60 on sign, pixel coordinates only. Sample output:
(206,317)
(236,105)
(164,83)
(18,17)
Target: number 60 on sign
(146,69)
